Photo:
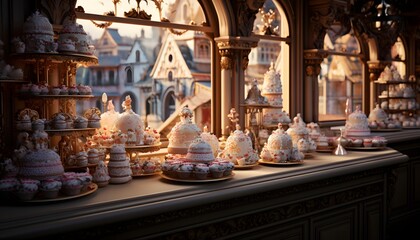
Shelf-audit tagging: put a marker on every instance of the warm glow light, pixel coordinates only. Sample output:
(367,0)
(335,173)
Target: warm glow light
(104,98)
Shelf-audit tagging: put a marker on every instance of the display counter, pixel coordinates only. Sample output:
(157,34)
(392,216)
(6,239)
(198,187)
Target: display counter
(305,197)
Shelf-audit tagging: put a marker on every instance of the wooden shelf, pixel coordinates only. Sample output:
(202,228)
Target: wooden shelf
(58,57)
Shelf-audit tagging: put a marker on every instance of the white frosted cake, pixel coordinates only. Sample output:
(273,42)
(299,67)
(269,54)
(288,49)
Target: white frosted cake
(357,124)
(272,90)
(239,148)
(279,148)
(183,133)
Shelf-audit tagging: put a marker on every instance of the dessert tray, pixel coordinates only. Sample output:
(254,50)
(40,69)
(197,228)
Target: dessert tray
(146,174)
(195,180)
(61,197)
(247,166)
(288,163)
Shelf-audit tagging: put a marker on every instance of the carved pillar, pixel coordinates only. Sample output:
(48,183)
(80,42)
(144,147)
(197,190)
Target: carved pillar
(312,66)
(234,60)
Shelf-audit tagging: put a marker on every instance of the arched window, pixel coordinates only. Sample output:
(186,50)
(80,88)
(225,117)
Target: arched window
(129,76)
(137,56)
(154,39)
(169,105)
(272,47)
(170,76)
(340,81)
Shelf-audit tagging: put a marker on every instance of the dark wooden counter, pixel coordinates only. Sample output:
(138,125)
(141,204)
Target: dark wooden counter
(349,190)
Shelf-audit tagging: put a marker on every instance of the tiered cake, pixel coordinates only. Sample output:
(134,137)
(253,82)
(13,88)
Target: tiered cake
(272,91)
(357,124)
(118,166)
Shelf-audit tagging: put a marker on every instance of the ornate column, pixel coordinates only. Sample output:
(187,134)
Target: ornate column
(234,60)
(312,66)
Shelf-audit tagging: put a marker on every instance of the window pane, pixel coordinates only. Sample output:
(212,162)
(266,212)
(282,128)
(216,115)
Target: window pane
(159,67)
(340,77)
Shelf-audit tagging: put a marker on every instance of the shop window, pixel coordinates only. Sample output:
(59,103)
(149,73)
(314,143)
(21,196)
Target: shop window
(152,39)
(340,81)
(272,47)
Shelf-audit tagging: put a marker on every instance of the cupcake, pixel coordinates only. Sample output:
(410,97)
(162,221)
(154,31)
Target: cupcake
(136,168)
(228,165)
(86,179)
(201,171)
(27,189)
(94,121)
(80,122)
(149,167)
(72,185)
(82,159)
(7,187)
(73,90)
(64,90)
(35,89)
(43,88)
(367,142)
(55,90)
(49,188)
(59,121)
(93,156)
(217,170)
(184,171)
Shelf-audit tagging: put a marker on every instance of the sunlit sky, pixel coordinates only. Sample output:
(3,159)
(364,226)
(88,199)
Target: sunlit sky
(102,6)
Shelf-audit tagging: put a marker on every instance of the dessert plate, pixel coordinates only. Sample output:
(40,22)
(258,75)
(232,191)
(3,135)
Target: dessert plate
(241,167)
(61,197)
(289,163)
(193,180)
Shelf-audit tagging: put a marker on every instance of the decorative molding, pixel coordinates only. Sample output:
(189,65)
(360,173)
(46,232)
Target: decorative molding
(236,42)
(226,61)
(323,22)
(252,220)
(246,11)
(245,59)
(58,11)
(382,23)
(312,59)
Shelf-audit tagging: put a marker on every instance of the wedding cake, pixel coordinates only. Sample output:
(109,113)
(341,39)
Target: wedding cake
(272,90)
(357,124)
(183,133)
